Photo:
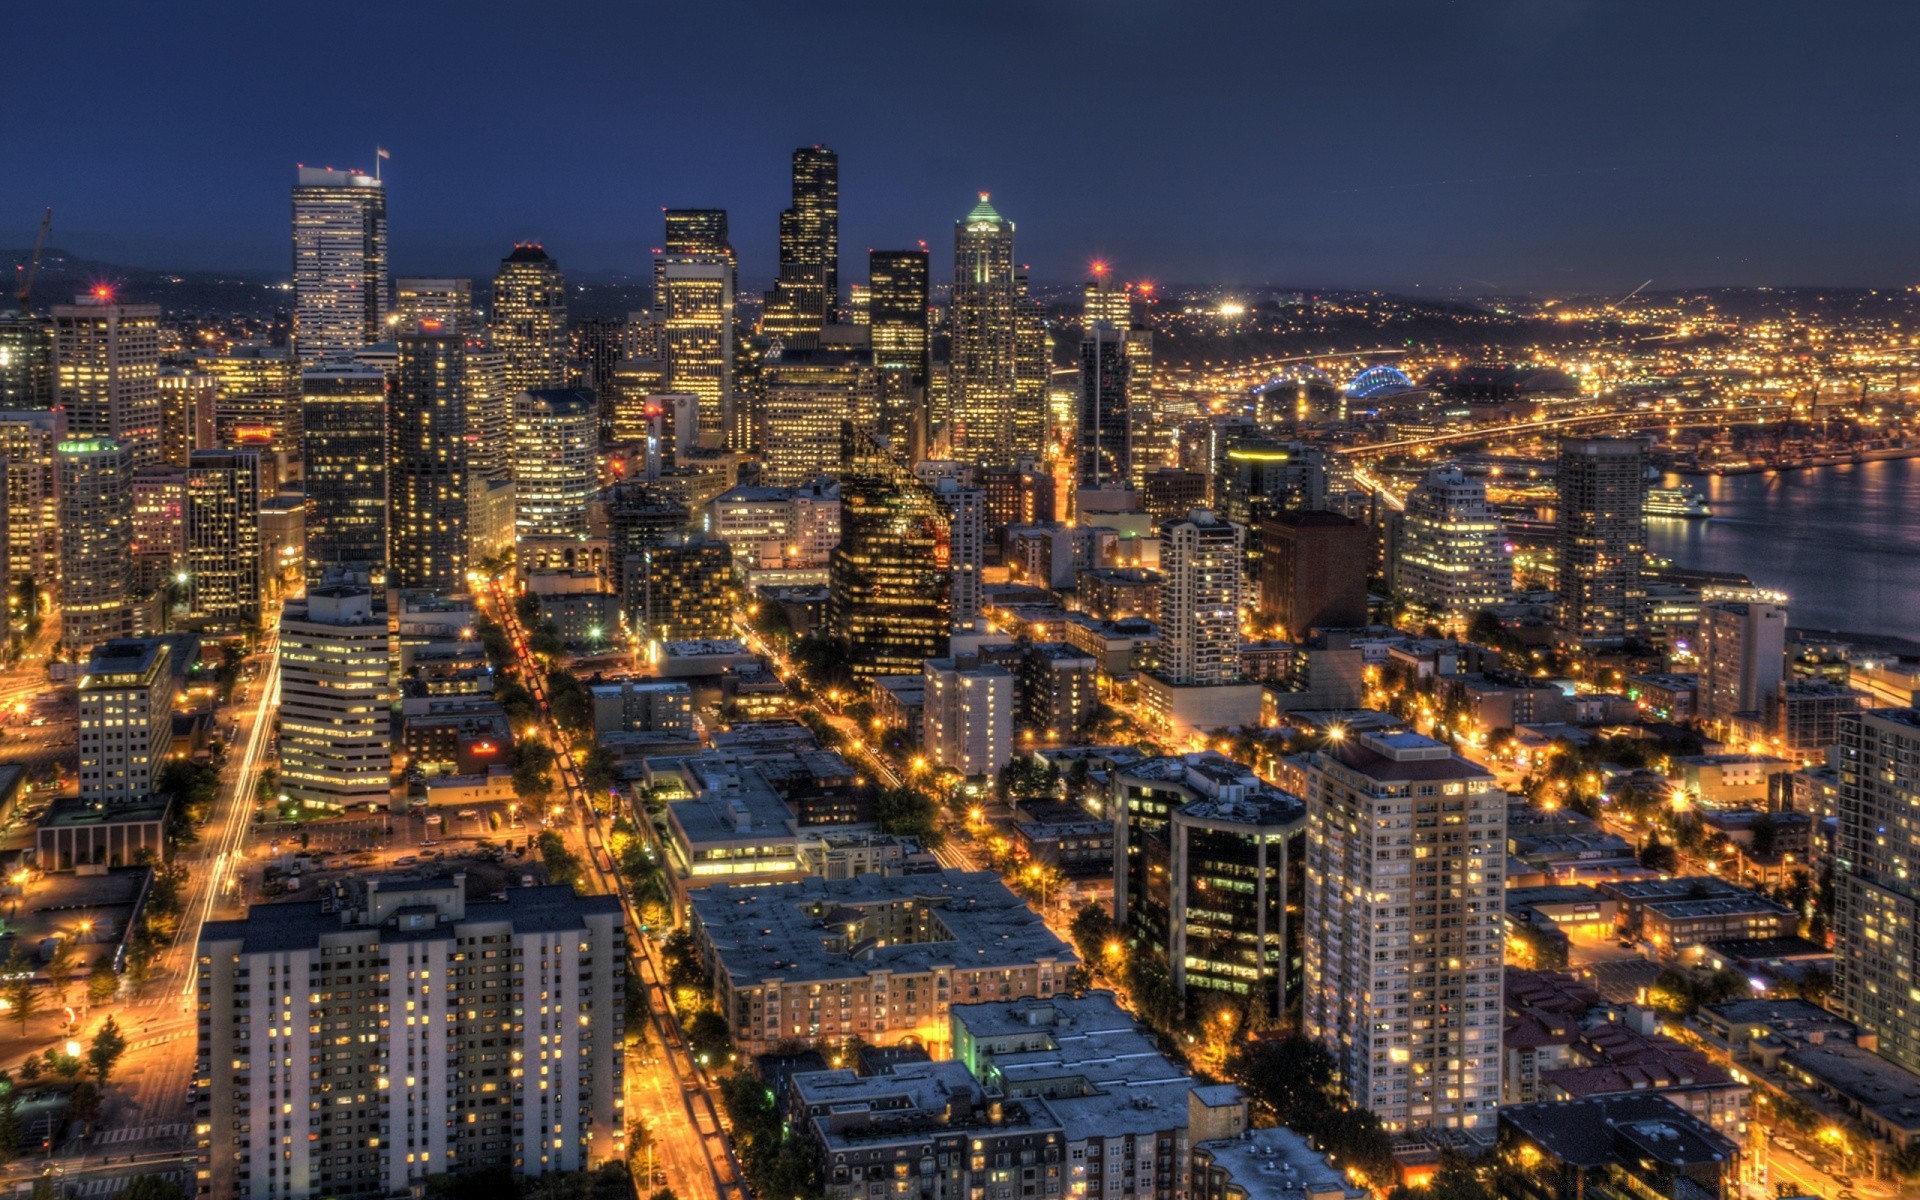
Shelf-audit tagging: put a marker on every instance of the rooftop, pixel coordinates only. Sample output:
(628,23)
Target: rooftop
(1606,1129)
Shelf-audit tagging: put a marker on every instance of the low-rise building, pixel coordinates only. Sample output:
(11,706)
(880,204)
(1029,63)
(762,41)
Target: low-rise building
(1636,1144)
(1272,1163)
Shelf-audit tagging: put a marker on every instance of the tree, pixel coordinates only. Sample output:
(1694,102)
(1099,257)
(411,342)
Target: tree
(1293,1076)
(102,983)
(909,812)
(563,865)
(104,1054)
(1026,777)
(532,775)
(1657,855)
(599,770)
(1092,929)
(708,1038)
(84,1101)
(12,1136)
(18,989)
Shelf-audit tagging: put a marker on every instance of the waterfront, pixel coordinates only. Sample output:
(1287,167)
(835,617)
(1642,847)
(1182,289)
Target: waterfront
(1841,541)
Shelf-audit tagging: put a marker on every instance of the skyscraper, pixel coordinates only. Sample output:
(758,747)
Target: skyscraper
(1877,879)
(693,305)
(966,547)
(26,361)
(981,320)
(1032,420)
(187,396)
(1601,538)
(335,749)
(889,579)
(806,295)
(700,231)
(1200,564)
(556,436)
(345,416)
(529,319)
(106,359)
(1313,571)
(223,537)
(256,398)
(1453,560)
(29,442)
(1406,860)
(428,473)
(598,344)
(96,521)
(448,301)
(339,262)
(897,306)
(1105,441)
(807,396)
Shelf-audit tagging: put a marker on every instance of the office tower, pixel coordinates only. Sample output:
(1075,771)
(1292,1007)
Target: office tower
(427,471)
(1600,537)
(967,724)
(1313,571)
(95,489)
(1256,477)
(1452,561)
(1167,492)
(681,588)
(1200,599)
(694,308)
(529,319)
(448,301)
(1153,441)
(223,537)
(981,319)
(806,295)
(335,711)
(556,437)
(26,361)
(1209,870)
(339,263)
(695,231)
(888,595)
(807,396)
(1877,880)
(966,509)
(158,542)
(256,398)
(484,1085)
(1406,856)
(1103,303)
(1743,654)
(902,341)
(859,305)
(28,446)
(106,360)
(1032,419)
(489,412)
(187,397)
(598,346)
(126,720)
(636,383)
(1104,440)
(344,413)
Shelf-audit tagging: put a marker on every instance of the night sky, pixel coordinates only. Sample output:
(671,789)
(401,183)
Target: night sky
(1550,145)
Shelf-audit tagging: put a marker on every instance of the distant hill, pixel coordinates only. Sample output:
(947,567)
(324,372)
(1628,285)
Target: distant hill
(63,275)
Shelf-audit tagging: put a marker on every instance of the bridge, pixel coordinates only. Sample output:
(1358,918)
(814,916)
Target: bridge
(1714,418)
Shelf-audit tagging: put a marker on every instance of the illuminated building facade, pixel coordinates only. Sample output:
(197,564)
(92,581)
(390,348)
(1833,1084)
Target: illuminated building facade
(687,590)
(1032,422)
(28,445)
(335,710)
(344,414)
(26,361)
(106,360)
(1105,442)
(187,396)
(1876,867)
(223,538)
(255,404)
(694,308)
(529,319)
(339,263)
(1453,559)
(448,301)
(125,703)
(95,484)
(806,295)
(1200,564)
(889,581)
(898,330)
(1406,860)
(1600,538)
(807,395)
(427,473)
(159,539)
(1743,655)
(981,321)
(556,436)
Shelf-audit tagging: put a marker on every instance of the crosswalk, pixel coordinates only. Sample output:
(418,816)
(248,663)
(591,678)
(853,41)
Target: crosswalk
(140,1133)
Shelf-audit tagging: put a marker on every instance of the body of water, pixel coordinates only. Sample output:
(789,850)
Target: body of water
(1843,542)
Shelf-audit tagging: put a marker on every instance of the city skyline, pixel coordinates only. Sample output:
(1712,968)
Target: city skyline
(1555,147)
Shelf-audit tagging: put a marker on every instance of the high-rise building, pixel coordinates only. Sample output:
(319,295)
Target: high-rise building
(489,412)
(902,341)
(529,319)
(599,343)
(125,720)
(966,547)
(807,396)
(158,543)
(26,361)
(1200,559)
(967,724)
(806,295)
(1255,477)
(981,320)
(256,398)
(1032,419)
(1600,538)
(694,307)
(1406,860)
(1877,879)
(335,711)
(1103,303)
(1743,655)
(889,581)
(1453,560)
(636,384)
(1105,436)
(485,1087)
(187,397)
(448,301)
(428,470)
(106,359)
(1313,571)
(339,262)
(223,537)
(556,438)
(344,413)
(695,231)
(684,590)
(28,446)
(95,488)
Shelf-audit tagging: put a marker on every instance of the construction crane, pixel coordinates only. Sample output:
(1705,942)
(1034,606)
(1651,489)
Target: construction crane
(24,292)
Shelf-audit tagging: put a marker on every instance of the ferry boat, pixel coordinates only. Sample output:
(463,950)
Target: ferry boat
(1677,502)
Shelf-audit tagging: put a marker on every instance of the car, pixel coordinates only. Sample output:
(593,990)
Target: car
(1845,1181)
(425,842)
(406,860)
(37,722)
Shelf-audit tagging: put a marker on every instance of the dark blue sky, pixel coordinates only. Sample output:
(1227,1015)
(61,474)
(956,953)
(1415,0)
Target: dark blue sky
(1543,144)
